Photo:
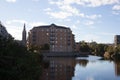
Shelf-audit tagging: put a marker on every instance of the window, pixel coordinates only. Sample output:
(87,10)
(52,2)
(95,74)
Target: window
(47,34)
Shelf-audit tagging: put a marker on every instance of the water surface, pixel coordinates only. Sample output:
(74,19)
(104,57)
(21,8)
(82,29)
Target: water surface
(81,68)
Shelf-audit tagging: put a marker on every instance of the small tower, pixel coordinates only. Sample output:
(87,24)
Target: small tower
(24,36)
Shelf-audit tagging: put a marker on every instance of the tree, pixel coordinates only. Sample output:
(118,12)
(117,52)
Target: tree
(84,47)
(110,50)
(16,63)
(100,49)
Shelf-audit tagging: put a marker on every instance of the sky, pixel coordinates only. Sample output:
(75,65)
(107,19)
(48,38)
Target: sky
(89,20)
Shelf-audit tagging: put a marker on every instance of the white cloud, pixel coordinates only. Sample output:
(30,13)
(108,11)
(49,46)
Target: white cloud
(67,10)
(74,27)
(48,9)
(97,3)
(88,23)
(15,31)
(78,21)
(93,16)
(15,27)
(12,1)
(116,7)
(88,3)
(16,21)
(37,24)
(59,15)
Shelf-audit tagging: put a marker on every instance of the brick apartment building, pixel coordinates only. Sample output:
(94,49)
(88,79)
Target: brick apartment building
(59,38)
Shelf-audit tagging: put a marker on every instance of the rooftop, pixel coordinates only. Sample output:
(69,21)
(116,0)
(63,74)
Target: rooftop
(52,25)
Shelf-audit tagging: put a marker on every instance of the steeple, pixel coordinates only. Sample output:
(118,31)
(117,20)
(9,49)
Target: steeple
(24,36)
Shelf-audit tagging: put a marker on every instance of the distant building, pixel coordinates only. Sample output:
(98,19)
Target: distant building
(59,38)
(3,31)
(24,36)
(117,40)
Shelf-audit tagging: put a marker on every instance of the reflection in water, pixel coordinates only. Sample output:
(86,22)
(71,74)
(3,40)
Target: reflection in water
(68,68)
(82,62)
(59,69)
(117,68)
(97,70)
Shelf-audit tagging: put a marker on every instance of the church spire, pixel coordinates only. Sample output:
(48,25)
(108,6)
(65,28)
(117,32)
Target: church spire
(24,36)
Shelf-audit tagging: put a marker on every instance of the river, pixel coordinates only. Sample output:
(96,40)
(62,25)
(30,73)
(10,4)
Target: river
(81,68)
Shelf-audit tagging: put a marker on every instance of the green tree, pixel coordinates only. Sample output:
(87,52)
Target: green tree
(110,50)
(100,49)
(84,47)
(16,63)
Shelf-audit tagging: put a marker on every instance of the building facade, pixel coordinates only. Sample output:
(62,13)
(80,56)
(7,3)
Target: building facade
(116,40)
(59,38)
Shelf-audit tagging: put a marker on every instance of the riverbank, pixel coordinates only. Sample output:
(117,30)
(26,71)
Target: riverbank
(65,54)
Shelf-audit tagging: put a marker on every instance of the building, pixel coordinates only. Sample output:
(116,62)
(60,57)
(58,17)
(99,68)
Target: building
(24,36)
(59,38)
(117,40)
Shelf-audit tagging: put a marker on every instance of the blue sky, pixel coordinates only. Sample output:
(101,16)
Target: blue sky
(90,20)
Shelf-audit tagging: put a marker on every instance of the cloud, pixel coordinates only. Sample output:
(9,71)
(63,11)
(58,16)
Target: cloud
(11,1)
(15,31)
(16,21)
(87,3)
(48,9)
(15,27)
(89,23)
(97,3)
(59,15)
(74,27)
(37,24)
(116,7)
(95,16)
(10,22)
(68,10)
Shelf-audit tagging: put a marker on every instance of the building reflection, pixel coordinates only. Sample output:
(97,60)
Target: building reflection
(117,68)
(59,69)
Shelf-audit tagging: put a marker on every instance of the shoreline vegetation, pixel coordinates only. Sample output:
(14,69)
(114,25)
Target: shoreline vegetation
(104,50)
(16,63)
